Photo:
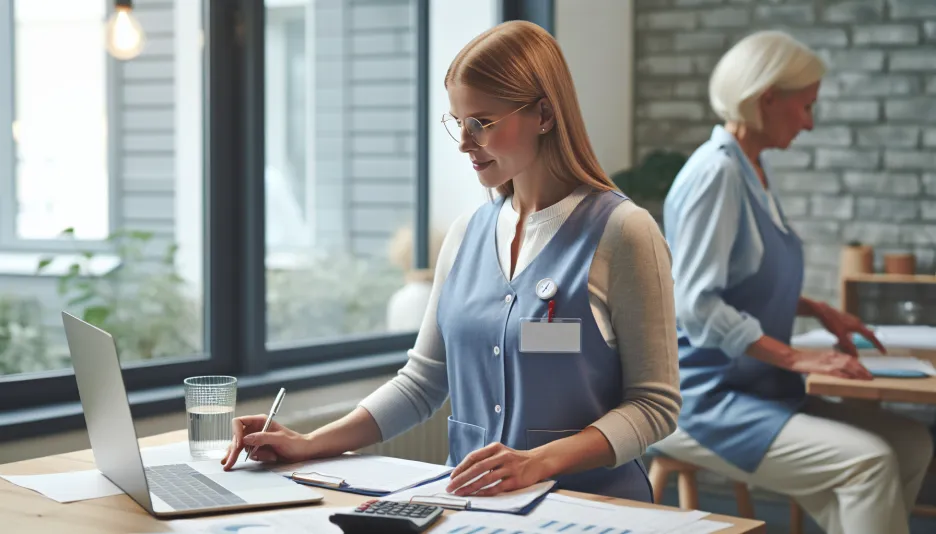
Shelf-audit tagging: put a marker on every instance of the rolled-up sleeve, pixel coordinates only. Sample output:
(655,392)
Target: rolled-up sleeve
(706,230)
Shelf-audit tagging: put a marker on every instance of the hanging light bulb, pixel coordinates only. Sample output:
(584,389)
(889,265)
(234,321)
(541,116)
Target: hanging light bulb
(125,36)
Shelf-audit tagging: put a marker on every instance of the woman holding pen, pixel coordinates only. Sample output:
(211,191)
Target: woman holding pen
(551,322)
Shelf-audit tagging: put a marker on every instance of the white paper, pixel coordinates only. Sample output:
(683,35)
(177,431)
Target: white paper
(299,521)
(897,363)
(434,493)
(371,473)
(891,336)
(637,520)
(703,526)
(68,487)
(908,337)
(569,515)
(91,484)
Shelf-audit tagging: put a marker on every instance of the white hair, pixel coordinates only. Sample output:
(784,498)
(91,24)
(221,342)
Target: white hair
(755,64)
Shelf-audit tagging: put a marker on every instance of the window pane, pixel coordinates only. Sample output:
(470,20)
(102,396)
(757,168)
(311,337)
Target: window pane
(142,280)
(60,129)
(340,166)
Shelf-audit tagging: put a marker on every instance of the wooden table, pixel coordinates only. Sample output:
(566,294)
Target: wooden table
(910,390)
(913,390)
(22,510)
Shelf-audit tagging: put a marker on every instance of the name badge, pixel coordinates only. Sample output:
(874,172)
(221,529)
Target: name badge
(556,336)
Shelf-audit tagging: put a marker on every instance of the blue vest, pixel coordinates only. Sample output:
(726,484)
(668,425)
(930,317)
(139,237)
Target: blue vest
(737,406)
(522,399)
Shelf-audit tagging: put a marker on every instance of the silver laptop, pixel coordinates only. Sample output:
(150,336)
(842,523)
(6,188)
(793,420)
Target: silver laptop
(165,490)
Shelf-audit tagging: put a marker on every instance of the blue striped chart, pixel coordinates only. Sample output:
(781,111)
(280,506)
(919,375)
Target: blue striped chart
(578,528)
(546,526)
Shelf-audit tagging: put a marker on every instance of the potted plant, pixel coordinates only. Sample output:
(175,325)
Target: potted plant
(649,182)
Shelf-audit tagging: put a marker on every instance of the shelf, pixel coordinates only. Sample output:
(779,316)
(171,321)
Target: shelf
(881,278)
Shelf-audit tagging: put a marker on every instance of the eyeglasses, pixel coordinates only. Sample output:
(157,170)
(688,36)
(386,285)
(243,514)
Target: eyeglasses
(478,132)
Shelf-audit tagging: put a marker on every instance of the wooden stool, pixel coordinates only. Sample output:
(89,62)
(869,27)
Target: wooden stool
(688,490)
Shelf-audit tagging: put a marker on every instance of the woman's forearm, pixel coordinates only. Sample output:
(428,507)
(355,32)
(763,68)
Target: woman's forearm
(772,351)
(806,307)
(589,449)
(354,431)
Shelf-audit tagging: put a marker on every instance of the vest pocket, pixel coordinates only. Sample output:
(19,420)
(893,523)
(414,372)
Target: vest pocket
(464,438)
(538,438)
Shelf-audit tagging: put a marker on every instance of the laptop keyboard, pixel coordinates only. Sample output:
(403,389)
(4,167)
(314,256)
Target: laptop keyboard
(184,488)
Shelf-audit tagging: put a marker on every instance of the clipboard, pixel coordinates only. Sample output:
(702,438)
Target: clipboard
(453,502)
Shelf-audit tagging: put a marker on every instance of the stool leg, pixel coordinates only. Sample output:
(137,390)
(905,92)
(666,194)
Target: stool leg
(688,492)
(743,497)
(658,476)
(796,518)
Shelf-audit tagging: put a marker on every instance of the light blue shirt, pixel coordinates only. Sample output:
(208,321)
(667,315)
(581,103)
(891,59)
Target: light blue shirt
(715,243)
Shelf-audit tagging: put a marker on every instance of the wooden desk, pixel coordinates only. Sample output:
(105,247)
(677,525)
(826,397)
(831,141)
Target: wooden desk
(23,510)
(913,390)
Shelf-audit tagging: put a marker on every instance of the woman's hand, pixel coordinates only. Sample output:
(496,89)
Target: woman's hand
(842,325)
(277,444)
(496,464)
(829,362)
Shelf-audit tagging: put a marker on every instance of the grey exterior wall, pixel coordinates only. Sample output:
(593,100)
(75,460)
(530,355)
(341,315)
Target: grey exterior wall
(366,122)
(868,170)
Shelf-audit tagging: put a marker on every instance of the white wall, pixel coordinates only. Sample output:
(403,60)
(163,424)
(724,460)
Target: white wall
(597,38)
(453,185)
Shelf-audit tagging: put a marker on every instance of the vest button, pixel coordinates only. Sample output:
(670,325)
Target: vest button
(508,298)
(497,408)
(496,350)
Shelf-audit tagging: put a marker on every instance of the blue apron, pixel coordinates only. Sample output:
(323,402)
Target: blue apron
(737,406)
(521,399)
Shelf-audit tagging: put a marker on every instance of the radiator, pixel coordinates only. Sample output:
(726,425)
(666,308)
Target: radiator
(427,442)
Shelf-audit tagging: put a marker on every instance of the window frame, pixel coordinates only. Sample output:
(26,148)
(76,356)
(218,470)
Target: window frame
(235,292)
(9,240)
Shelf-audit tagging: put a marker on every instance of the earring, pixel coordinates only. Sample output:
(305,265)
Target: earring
(544,130)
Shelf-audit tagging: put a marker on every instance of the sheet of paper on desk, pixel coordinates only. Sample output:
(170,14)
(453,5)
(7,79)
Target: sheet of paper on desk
(68,487)
(372,473)
(891,336)
(897,363)
(570,515)
(91,484)
(299,521)
(638,520)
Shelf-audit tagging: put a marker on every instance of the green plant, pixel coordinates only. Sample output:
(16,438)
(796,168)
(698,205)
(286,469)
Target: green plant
(143,303)
(652,178)
(22,337)
(329,296)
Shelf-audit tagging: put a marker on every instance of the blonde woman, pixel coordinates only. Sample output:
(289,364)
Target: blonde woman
(551,321)
(738,267)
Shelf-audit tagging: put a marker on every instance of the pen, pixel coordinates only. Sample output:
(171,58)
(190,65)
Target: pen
(273,409)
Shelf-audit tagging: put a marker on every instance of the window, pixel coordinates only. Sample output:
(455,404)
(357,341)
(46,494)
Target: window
(261,158)
(60,165)
(106,151)
(340,165)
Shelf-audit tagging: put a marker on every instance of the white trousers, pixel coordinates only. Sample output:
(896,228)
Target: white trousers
(854,467)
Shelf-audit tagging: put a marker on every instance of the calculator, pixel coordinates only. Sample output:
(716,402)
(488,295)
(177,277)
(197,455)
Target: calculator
(387,517)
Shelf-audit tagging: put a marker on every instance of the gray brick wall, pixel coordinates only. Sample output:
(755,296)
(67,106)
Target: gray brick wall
(366,119)
(868,170)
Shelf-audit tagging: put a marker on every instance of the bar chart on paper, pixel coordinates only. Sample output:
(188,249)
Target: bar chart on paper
(547,526)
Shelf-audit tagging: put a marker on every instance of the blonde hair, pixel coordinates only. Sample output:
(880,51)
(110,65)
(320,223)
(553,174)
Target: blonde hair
(755,64)
(520,62)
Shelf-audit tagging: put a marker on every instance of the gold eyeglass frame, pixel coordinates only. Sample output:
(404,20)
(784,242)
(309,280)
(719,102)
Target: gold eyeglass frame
(449,117)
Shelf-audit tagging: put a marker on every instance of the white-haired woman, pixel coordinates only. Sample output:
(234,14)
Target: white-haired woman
(738,269)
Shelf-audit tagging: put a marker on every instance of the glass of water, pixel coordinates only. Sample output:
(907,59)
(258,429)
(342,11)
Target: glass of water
(209,406)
